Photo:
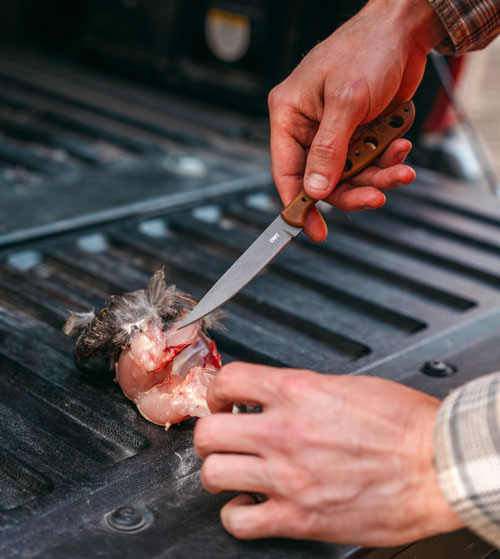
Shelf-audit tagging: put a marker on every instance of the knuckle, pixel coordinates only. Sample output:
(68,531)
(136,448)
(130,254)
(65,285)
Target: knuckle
(231,376)
(292,482)
(224,377)
(208,474)
(271,384)
(280,116)
(297,385)
(202,435)
(358,93)
(273,98)
(324,148)
(301,525)
(347,94)
(228,371)
(239,529)
(285,435)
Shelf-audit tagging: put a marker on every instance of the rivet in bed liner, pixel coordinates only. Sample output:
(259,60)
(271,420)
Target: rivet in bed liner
(435,368)
(155,228)
(185,165)
(93,243)
(24,260)
(129,519)
(207,214)
(259,201)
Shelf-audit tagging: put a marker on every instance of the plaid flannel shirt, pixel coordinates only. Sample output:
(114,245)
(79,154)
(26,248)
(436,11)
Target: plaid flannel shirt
(470,24)
(467,430)
(467,454)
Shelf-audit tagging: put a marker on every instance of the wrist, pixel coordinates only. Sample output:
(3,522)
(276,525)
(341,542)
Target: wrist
(414,20)
(432,511)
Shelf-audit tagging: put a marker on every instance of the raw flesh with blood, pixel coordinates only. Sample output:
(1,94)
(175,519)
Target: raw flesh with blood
(165,371)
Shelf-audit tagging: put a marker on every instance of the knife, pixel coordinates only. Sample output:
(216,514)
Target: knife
(374,139)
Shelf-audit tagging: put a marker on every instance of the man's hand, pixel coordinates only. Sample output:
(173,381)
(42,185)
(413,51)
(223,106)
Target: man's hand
(344,459)
(377,57)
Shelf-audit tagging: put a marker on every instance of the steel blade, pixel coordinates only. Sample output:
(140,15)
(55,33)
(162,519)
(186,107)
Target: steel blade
(249,264)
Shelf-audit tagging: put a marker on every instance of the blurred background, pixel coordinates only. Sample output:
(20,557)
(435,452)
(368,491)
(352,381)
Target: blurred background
(479,91)
(231,52)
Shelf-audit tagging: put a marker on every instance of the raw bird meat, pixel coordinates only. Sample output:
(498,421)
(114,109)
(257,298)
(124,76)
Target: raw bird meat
(164,371)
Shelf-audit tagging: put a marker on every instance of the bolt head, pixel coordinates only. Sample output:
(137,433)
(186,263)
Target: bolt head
(436,368)
(126,519)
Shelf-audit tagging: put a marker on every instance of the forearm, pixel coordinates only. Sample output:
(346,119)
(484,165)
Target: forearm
(467,454)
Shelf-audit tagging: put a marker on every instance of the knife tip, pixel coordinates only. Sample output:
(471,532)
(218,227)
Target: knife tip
(186,322)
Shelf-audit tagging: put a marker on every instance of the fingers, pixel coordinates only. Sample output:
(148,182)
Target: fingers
(291,134)
(245,519)
(235,433)
(288,152)
(356,199)
(315,227)
(243,383)
(350,197)
(232,472)
(326,158)
(287,173)
(395,154)
(363,191)
(384,179)
(412,76)
(327,154)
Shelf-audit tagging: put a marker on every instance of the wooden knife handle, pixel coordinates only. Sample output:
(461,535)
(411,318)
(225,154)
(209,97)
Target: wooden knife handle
(374,140)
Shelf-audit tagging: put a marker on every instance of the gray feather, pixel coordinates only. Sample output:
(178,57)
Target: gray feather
(110,330)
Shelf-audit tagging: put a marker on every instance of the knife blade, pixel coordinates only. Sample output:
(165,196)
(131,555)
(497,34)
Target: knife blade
(375,138)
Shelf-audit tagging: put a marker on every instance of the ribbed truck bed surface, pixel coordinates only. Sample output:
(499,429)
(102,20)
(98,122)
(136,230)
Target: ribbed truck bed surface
(387,292)
(101,183)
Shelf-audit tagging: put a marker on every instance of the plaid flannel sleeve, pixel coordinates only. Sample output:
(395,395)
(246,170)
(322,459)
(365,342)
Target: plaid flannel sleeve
(470,24)
(467,454)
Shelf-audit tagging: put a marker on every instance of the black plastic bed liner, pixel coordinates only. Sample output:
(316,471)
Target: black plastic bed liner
(384,295)
(79,148)
(410,292)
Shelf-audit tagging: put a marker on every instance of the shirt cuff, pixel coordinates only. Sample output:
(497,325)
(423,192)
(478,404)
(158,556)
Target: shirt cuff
(467,454)
(470,24)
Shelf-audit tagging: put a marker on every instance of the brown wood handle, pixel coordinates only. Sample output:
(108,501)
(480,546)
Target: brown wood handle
(374,139)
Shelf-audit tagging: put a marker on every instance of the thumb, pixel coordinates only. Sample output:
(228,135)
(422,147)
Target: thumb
(327,154)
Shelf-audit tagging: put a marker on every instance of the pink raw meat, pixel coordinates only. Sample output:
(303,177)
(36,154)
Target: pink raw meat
(164,371)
